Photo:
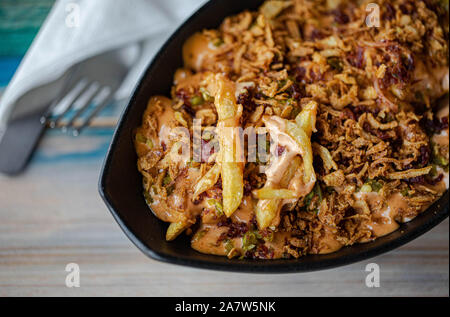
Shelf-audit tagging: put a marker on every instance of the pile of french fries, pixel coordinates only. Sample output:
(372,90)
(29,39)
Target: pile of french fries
(230,168)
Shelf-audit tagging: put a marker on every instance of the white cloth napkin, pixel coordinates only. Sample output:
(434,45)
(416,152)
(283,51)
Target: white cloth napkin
(78,29)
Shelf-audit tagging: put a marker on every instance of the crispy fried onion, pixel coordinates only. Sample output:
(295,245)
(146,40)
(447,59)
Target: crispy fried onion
(410,173)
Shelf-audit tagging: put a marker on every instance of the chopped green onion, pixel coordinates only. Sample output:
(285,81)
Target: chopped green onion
(205,94)
(218,42)
(405,192)
(197,100)
(281,83)
(374,184)
(317,191)
(366,188)
(335,63)
(250,240)
(166,180)
(229,245)
(218,205)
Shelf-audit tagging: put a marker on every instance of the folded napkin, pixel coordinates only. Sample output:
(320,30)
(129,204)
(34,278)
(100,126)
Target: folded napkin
(78,29)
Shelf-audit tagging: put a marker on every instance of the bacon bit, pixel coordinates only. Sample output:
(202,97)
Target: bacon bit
(164,146)
(247,188)
(348,114)
(280,150)
(400,70)
(340,16)
(300,73)
(253,221)
(246,99)
(184,95)
(425,154)
(297,92)
(356,59)
(188,110)
(261,252)
(199,199)
(389,14)
(224,223)
(435,125)
(359,110)
(235,229)
(407,7)
(316,34)
(422,180)
(436,180)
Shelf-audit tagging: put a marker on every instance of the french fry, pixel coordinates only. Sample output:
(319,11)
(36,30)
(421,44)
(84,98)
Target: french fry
(225,100)
(207,181)
(270,193)
(306,119)
(230,148)
(294,166)
(175,229)
(304,142)
(233,187)
(266,210)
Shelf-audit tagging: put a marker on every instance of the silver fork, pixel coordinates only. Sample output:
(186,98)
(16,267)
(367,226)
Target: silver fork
(83,91)
(89,89)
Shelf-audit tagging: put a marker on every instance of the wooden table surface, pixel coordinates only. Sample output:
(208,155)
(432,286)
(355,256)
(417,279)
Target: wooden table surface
(52,215)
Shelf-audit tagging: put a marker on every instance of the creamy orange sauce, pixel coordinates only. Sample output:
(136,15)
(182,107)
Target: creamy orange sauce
(277,244)
(245,212)
(328,242)
(196,50)
(180,201)
(384,214)
(207,243)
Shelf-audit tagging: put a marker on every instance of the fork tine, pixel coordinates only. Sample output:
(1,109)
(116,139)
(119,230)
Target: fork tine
(90,97)
(63,94)
(103,102)
(82,101)
(65,103)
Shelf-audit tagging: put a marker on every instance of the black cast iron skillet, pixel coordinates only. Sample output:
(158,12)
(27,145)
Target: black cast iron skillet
(121,184)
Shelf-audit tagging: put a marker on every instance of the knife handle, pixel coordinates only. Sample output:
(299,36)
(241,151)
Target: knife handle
(19,141)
